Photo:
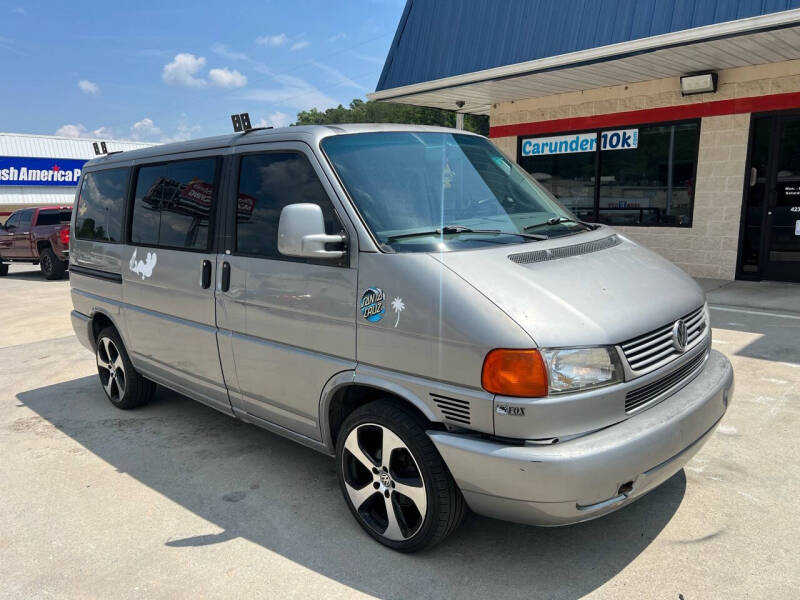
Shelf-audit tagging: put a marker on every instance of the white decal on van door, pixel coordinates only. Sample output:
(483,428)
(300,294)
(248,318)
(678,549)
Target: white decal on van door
(398,306)
(144,268)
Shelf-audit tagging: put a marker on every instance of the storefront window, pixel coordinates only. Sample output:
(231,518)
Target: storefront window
(646,174)
(570,178)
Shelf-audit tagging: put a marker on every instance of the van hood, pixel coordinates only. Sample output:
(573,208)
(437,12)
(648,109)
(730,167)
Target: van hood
(595,288)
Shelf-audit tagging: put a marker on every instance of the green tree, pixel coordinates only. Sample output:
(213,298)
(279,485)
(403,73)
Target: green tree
(360,111)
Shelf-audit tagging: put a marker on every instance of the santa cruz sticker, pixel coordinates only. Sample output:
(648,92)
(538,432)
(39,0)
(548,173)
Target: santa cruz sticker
(373,304)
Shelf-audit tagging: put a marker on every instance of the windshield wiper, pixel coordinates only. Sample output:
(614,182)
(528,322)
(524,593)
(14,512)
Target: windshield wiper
(556,221)
(451,229)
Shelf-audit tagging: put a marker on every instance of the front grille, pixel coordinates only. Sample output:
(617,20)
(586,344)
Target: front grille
(453,409)
(524,258)
(653,350)
(639,397)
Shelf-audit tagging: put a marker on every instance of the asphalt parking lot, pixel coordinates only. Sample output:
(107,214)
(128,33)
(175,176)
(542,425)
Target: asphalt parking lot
(175,500)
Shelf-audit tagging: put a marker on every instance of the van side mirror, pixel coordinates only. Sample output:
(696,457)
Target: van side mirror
(301,232)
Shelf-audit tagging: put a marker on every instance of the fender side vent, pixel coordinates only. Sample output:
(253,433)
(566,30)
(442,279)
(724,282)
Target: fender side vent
(525,258)
(453,409)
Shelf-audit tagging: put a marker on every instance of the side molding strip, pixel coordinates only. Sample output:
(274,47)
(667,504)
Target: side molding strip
(96,273)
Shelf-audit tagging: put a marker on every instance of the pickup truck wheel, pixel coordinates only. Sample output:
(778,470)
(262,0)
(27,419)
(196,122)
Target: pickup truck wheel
(52,267)
(123,385)
(393,479)
(3,270)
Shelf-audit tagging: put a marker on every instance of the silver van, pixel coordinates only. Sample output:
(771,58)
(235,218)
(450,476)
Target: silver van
(408,301)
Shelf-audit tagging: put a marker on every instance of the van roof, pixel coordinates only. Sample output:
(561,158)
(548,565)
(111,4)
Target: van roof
(307,133)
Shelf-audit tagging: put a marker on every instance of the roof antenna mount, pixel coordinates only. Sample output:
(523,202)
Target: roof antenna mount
(100,149)
(241,124)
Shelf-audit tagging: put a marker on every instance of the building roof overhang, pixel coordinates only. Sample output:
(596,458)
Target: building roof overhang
(752,41)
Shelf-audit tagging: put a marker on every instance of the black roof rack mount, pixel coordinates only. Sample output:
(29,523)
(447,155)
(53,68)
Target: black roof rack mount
(241,123)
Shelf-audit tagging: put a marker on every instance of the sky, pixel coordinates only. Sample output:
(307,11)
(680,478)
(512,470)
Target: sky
(170,70)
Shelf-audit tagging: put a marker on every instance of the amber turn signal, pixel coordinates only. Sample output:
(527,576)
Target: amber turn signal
(514,373)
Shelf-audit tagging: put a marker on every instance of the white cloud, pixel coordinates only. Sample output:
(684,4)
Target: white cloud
(88,87)
(227,78)
(272,40)
(79,130)
(299,45)
(226,52)
(73,131)
(185,131)
(276,119)
(19,10)
(292,92)
(377,60)
(146,131)
(182,70)
(337,37)
(337,77)
(103,132)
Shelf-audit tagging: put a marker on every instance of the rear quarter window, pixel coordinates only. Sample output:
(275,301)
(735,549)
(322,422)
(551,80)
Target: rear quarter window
(52,217)
(101,205)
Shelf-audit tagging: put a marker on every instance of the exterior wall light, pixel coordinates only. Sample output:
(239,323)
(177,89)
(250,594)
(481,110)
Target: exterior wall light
(698,83)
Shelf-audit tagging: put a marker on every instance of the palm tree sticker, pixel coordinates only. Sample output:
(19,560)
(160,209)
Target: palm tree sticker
(398,307)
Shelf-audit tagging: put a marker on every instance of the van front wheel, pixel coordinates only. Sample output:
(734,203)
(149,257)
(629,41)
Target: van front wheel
(394,480)
(123,385)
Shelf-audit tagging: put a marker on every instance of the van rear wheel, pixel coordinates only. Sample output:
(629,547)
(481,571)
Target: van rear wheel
(3,269)
(393,479)
(123,385)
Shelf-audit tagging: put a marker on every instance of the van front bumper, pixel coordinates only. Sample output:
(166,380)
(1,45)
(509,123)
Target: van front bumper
(595,474)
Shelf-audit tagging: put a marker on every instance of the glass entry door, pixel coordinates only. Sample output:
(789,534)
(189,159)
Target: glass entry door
(771,236)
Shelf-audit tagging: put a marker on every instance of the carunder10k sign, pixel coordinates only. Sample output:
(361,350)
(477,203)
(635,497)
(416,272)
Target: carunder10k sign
(620,139)
(22,170)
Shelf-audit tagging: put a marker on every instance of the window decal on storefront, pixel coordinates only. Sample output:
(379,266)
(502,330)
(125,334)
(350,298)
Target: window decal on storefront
(650,183)
(621,139)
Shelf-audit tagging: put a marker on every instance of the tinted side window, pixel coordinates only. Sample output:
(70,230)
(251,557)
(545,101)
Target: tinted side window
(13,220)
(173,203)
(52,217)
(100,206)
(267,183)
(25,218)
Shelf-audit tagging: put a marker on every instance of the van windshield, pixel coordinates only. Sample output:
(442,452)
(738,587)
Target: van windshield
(424,191)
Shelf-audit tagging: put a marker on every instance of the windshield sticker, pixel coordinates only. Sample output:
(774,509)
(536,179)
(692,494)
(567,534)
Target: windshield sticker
(398,306)
(373,304)
(144,268)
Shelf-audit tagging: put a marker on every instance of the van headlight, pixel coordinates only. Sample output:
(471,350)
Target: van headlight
(577,369)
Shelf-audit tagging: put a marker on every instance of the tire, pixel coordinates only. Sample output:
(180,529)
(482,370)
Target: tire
(123,384)
(52,267)
(3,269)
(414,466)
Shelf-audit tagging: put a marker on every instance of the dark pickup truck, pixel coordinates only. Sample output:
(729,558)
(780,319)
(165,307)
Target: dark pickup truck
(38,236)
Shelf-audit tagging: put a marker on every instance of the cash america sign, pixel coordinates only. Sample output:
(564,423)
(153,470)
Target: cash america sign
(22,170)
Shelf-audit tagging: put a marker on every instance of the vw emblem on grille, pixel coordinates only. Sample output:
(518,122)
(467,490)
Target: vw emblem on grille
(680,337)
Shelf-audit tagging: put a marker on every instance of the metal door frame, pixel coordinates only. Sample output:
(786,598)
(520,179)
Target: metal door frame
(778,118)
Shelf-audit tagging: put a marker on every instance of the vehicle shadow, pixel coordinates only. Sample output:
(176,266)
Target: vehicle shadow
(284,497)
(776,334)
(32,275)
